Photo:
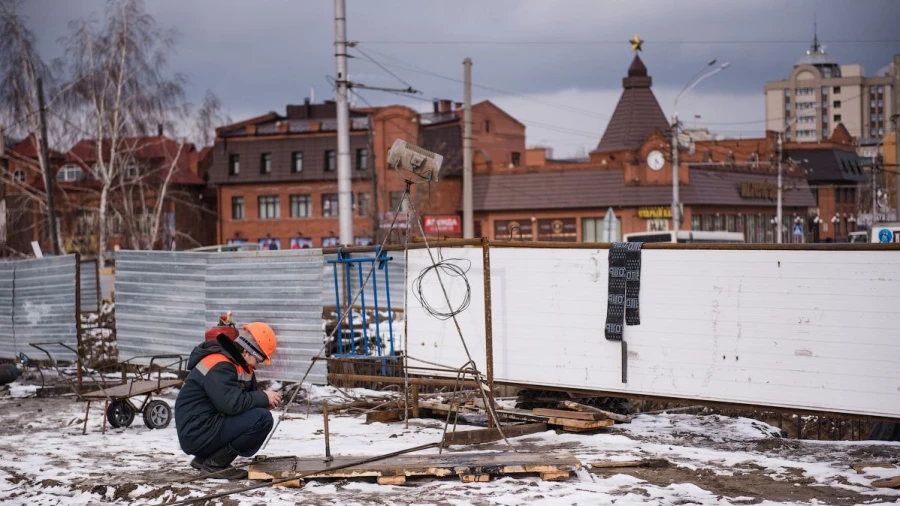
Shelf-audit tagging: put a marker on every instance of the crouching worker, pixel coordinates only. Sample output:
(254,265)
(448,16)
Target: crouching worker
(220,413)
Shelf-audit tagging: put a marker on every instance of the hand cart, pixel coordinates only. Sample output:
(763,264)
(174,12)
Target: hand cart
(120,409)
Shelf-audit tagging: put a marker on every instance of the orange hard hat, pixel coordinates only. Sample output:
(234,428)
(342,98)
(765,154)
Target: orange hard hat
(263,342)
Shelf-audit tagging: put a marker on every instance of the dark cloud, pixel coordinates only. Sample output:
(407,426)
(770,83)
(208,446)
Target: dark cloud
(258,56)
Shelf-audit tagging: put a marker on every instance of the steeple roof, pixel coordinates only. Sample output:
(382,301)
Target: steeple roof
(637,114)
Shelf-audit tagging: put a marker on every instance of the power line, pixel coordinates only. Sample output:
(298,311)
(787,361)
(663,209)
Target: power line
(617,42)
(382,67)
(419,70)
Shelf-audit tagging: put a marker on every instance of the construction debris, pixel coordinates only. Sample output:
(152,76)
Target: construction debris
(469,467)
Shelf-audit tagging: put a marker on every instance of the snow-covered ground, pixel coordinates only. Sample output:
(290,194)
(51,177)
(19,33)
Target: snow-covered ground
(45,460)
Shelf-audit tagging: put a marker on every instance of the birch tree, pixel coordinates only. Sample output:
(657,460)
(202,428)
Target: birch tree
(120,85)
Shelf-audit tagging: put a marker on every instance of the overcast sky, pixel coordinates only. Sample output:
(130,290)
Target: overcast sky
(557,66)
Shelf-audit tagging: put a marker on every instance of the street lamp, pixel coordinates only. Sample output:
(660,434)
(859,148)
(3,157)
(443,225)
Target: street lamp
(778,238)
(676,215)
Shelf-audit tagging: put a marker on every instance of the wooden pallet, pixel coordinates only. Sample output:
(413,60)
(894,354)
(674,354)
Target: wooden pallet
(572,424)
(470,467)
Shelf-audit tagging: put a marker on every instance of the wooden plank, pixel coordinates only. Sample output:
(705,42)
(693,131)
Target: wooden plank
(437,465)
(469,437)
(555,476)
(388,415)
(859,467)
(475,478)
(887,482)
(566,423)
(577,406)
(575,415)
(392,480)
(613,464)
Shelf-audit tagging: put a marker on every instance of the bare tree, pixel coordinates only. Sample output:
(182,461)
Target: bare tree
(20,69)
(208,117)
(120,86)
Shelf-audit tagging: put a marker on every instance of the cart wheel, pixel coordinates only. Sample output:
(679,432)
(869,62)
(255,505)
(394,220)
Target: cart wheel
(120,414)
(157,414)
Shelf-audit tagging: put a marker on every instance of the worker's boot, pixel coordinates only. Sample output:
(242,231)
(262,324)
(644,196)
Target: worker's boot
(197,462)
(220,464)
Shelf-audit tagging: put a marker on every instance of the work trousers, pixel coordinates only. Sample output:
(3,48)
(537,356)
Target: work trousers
(245,433)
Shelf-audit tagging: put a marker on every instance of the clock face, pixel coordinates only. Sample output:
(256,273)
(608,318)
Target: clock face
(655,160)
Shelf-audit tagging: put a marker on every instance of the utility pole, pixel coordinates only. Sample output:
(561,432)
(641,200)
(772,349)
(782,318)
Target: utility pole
(48,171)
(676,216)
(468,220)
(778,219)
(345,186)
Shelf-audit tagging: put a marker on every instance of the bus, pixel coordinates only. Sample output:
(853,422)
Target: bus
(687,236)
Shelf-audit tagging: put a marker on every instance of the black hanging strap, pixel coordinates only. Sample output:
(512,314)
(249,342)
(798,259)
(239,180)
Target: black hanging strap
(633,284)
(615,303)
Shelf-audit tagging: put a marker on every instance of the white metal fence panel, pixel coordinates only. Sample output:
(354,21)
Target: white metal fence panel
(280,288)
(160,302)
(44,304)
(812,330)
(7,334)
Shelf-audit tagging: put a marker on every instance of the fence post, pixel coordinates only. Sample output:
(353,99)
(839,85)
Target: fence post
(79,346)
(488,323)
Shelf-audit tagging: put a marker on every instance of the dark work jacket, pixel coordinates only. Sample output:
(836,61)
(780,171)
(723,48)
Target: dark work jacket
(219,384)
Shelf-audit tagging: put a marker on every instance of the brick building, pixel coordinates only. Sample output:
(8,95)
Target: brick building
(187,212)
(276,175)
(630,173)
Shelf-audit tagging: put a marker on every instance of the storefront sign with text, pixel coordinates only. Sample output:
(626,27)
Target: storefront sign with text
(448,224)
(654,212)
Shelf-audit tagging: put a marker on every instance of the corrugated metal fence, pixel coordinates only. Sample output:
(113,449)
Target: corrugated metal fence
(90,296)
(166,300)
(37,302)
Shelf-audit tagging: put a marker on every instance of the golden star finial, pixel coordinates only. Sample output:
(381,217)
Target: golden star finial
(636,43)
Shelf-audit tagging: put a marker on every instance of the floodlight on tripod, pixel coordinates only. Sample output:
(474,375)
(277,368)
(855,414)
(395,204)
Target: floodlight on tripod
(413,160)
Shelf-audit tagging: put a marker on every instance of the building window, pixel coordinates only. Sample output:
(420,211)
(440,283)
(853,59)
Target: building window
(594,230)
(837,104)
(824,132)
(836,89)
(787,92)
(487,126)
(396,198)
(70,172)
(516,158)
(234,164)
(364,203)
(787,106)
(362,159)
(880,103)
(269,208)
(695,220)
(329,204)
(729,223)
(880,89)
(19,176)
(330,161)
(301,206)
(880,130)
(824,91)
(297,162)
(265,163)
(237,208)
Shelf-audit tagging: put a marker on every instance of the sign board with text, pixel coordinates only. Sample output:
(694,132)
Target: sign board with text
(655,212)
(446,224)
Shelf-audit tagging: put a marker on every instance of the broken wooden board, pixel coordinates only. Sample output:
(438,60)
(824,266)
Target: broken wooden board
(470,466)
(859,467)
(615,464)
(388,415)
(577,406)
(887,482)
(574,415)
(468,437)
(569,424)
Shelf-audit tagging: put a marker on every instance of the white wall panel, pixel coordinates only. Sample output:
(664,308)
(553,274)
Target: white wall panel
(816,330)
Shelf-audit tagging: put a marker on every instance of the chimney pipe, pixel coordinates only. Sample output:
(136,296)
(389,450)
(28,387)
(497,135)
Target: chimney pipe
(159,130)
(436,106)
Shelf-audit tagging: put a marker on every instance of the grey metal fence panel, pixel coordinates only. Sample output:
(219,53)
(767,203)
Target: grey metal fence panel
(280,288)
(44,304)
(160,302)
(394,277)
(7,334)
(90,299)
